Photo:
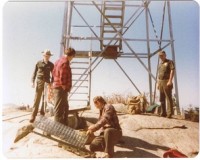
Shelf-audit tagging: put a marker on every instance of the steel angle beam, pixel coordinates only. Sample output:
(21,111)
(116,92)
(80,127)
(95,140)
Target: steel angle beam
(65,133)
(83,152)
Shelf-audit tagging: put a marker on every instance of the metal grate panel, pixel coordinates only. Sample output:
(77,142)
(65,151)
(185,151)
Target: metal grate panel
(69,135)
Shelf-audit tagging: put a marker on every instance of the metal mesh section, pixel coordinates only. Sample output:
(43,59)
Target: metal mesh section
(57,129)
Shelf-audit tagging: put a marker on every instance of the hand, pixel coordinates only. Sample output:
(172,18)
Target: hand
(91,127)
(89,132)
(49,85)
(33,85)
(158,86)
(169,83)
(63,87)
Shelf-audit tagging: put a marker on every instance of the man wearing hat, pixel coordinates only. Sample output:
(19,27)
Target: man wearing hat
(165,77)
(62,85)
(42,73)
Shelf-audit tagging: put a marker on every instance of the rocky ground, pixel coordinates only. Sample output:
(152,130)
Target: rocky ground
(144,136)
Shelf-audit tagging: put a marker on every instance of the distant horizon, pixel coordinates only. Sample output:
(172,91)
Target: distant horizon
(29,28)
(9,104)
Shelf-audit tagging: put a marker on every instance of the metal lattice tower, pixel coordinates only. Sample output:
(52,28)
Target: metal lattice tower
(112,32)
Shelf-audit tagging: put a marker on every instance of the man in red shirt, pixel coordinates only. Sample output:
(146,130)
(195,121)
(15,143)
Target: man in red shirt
(62,85)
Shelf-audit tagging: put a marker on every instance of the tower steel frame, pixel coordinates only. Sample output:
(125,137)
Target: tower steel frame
(141,8)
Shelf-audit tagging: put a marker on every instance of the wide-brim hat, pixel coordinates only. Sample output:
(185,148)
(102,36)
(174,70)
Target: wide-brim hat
(47,52)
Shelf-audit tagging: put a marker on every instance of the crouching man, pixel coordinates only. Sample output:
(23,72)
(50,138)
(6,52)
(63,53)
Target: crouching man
(110,130)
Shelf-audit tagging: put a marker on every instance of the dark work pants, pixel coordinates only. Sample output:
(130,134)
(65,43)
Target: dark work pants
(38,94)
(166,95)
(106,141)
(61,106)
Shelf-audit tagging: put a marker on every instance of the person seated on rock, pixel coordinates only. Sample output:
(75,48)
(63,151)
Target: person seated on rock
(108,125)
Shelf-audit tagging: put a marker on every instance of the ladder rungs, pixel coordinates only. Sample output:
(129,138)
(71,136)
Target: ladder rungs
(78,93)
(80,62)
(77,100)
(79,68)
(109,26)
(112,16)
(104,45)
(80,86)
(113,2)
(79,74)
(109,31)
(114,24)
(113,8)
(79,80)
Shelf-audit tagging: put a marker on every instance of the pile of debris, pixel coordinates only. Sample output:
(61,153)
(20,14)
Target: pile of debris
(135,105)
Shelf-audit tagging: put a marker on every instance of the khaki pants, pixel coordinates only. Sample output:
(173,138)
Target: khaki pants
(165,96)
(38,94)
(106,141)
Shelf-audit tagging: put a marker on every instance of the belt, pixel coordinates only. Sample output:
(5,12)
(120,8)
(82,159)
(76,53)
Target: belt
(40,78)
(163,79)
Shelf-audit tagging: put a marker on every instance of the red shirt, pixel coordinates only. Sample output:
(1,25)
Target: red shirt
(62,74)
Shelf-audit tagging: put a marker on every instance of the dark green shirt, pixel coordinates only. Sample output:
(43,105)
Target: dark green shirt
(164,69)
(43,71)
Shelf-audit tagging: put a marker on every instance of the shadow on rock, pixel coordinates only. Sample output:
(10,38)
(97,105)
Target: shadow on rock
(137,153)
(139,148)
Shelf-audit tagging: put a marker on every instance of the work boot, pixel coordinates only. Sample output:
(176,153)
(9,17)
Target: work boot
(32,119)
(42,113)
(169,116)
(106,155)
(163,115)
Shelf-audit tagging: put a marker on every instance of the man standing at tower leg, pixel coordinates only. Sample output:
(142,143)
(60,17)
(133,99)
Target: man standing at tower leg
(165,76)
